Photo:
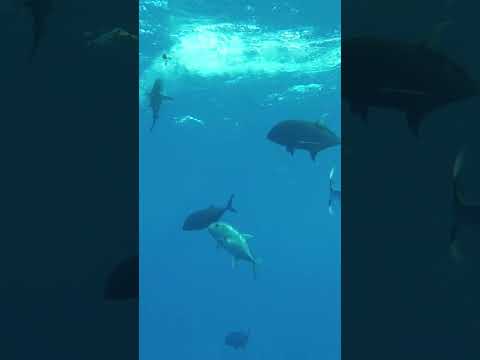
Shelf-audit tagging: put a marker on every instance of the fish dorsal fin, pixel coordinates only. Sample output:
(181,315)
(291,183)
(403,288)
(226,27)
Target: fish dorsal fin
(247,236)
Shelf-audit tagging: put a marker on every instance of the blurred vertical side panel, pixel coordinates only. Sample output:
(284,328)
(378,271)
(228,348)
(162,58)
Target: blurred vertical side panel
(69,150)
(410,228)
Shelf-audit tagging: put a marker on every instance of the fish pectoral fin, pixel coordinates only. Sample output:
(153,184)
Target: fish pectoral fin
(290,149)
(313,155)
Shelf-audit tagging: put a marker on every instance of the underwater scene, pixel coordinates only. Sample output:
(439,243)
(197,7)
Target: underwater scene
(240,179)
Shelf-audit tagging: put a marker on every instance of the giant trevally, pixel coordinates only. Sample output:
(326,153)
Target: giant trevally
(335,194)
(407,76)
(306,135)
(201,219)
(234,242)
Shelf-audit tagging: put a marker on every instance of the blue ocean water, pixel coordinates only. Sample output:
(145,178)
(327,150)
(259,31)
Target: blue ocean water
(236,69)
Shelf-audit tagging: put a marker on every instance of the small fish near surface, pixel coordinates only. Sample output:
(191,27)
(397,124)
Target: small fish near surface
(306,135)
(122,283)
(40,11)
(465,214)
(156,98)
(201,219)
(237,339)
(235,243)
(166,59)
(406,76)
(335,194)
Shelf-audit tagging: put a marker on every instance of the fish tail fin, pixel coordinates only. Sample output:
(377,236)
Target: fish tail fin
(230,204)
(256,262)
(153,123)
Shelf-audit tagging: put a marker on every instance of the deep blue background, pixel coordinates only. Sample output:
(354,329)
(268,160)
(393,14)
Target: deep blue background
(190,295)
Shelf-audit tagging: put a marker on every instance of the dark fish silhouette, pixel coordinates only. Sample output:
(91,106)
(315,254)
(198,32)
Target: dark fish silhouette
(40,10)
(464,213)
(299,134)
(201,219)
(156,99)
(237,339)
(122,283)
(394,74)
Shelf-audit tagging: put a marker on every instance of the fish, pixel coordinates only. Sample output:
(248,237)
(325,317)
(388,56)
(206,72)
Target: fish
(335,194)
(156,100)
(235,243)
(410,77)
(40,10)
(237,339)
(201,219)
(166,58)
(122,283)
(464,213)
(306,135)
